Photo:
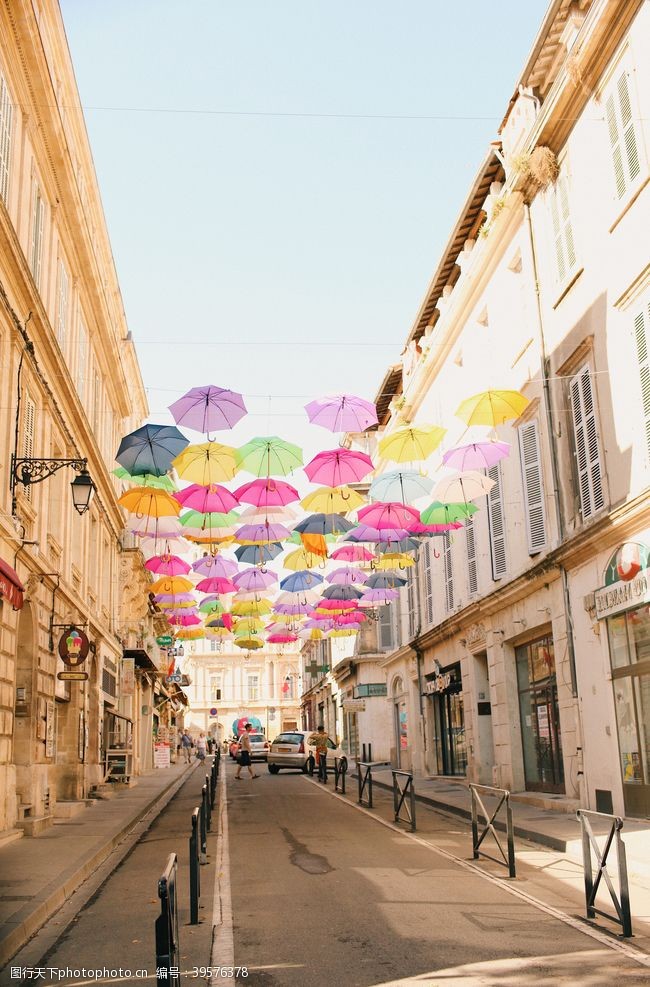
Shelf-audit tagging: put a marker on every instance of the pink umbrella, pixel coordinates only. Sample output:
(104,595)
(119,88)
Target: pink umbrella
(342,413)
(267,492)
(336,467)
(352,553)
(254,580)
(206,409)
(476,456)
(282,637)
(321,622)
(215,565)
(261,534)
(155,527)
(346,576)
(434,529)
(167,565)
(353,617)
(335,605)
(216,584)
(391,515)
(207,500)
(188,620)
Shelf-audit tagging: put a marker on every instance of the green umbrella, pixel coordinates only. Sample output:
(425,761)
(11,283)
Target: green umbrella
(213,606)
(438,513)
(195,519)
(269,456)
(146,479)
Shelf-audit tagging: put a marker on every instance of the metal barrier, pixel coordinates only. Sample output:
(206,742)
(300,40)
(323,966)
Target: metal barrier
(399,797)
(205,793)
(167,945)
(365,782)
(622,904)
(340,771)
(213,787)
(203,828)
(507,859)
(195,870)
(365,758)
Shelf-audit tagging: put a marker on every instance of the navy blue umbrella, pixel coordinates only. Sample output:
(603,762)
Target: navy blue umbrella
(299,581)
(342,593)
(324,524)
(258,554)
(150,449)
(385,580)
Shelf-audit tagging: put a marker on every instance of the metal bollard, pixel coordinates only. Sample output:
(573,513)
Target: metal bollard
(205,794)
(166,927)
(195,871)
(213,785)
(203,829)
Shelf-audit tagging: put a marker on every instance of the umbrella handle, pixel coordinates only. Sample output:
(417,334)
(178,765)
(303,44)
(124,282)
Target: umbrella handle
(436,554)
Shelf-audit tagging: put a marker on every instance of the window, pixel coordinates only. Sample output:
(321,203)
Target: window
(531,469)
(428,581)
(38,222)
(496,522)
(565,254)
(82,361)
(216,686)
(472,571)
(622,134)
(386,629)
(96,403)
(587,447)
(642,339)
(6,120)
(253,687)
(62,306)
(412,601)
(448,566)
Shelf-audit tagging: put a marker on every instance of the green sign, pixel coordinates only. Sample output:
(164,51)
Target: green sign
(165,641)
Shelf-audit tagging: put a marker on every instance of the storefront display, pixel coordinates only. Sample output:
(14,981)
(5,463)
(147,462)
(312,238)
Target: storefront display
(539,716)
(445,689)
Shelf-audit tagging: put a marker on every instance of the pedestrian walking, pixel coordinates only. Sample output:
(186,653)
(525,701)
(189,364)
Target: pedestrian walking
(201,747)
(244,757)
(319,740)
(186,745)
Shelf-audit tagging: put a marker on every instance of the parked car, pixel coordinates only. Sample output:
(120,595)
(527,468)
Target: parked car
(259,747)
(293,750)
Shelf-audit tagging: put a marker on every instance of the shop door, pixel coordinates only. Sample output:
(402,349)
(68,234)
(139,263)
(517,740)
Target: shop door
(450,743)
(401,734)
(540,719)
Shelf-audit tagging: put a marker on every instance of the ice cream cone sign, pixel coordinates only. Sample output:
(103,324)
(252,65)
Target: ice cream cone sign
(73,646)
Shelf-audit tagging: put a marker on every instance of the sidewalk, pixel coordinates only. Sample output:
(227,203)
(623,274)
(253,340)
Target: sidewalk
(38,875)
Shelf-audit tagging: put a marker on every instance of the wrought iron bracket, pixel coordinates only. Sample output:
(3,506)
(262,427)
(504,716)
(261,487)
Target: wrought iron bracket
(28,470)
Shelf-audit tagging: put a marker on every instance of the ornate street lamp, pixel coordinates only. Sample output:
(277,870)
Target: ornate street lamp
(29,471)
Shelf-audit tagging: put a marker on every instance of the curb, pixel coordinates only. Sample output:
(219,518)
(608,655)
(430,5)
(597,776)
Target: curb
(58,891)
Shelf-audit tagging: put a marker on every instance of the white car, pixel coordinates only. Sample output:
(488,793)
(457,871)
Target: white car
(293,750)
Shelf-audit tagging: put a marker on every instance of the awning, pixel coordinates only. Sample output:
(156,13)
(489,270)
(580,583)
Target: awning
(141,658)
(11,587)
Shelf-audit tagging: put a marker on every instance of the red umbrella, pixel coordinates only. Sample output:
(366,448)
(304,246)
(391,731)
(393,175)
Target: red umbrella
(336,467)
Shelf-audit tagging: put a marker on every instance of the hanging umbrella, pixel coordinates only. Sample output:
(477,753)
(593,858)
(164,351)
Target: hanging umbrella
(208,409)
(293,609)
(189,633)
(281,638)
(447,514)
(269,456)
(392,560)
(463,487)
(215,565)
(261,534)
(324,524)
(352,553)
(150,502)
(267,492)
(166,600)
(248,644)
(211,499)
(492,407)
(207,462)
(299,581)
(476,456)
(196,522)
(211,606)
(301,559)
(186,620)
(385,580)
(274,515)
(150,449)
(154,527)
(248,625)
(333,500)
(347,576)
(171,584)
(341,593)
(251,608)
(343,632)
(366,533)
(342,413)
(167,565)
(335,467)
(216,584)
(403,486)
(351,619)
(152,544)
(378,597)
(398,545)
(388,516)
(411,442)
(145,479)
(312,634)
(258,554)
(254,580)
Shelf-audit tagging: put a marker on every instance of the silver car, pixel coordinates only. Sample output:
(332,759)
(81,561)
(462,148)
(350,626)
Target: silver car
(259,747)
(293,750)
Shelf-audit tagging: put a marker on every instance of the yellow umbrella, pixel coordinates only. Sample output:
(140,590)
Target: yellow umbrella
(393,560)
(300,559)
(171,584)
(219,633)
(251,608)
(333,500)
(249,643)
(343,632)
(411,442)
(176,605)
(149,501)
(248,626)
(492,407)
(205,463)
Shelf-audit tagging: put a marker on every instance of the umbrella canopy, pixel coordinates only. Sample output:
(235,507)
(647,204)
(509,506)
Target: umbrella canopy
(216,584)
(258,554)
(251,608)
(189,633)
(145,479)
(302,559)
(411,442)
(211,606)
(476,456)
(388,516)
(324,524)
(184,620)
(378,597)
(151,544)
(261,534)
(398,545)
(402,486)
(385,580)
(215,565)
(249,643)
(150,502)
(366,533)
(150,449)
(352,553)
(267,492)
(165,600)
(347,576)
(299,581)
(171,584)
(492,407)
(167,565)
(312,634)
(280,637)
(333,500)
(269,456)
(239,725)
(336,467)
(209,408)
(254,580)
(463,487)
(208,500)
(392,560)
(275,515)
(206,463)
(447,514)
(341,593)
(342,413)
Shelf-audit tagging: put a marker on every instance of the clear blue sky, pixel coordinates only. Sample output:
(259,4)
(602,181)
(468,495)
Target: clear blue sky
(261,231)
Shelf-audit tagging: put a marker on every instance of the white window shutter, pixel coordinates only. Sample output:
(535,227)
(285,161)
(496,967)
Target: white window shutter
(531,469)
(630,145)
(62,307)
(497,524)
(448,566)
(428,582)
(565,253)
(386,638)
(642,339)
(6,120)
(472,570)
(557,237)
(412,602)
(622,135)
(585,431)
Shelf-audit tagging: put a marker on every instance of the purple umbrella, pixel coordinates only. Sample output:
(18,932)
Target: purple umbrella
(254,580)
(209,408)
(261,534)
(476,456)
(174,598)
(215,565)
(346,576)
(378,597)
(364,533)
(342,413)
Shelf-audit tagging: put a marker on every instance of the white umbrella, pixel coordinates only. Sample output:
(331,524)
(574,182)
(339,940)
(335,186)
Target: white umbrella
(460,488)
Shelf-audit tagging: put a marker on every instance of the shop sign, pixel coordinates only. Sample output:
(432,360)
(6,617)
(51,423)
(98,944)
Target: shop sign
(165,641)
(161,758)
(622,595)
(73,646)
(50,728)
(440,683)
(127,685)
(370,689)
(72,676)
(353,705)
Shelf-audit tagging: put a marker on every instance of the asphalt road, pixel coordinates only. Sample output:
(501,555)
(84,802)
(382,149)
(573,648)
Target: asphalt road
(324,895)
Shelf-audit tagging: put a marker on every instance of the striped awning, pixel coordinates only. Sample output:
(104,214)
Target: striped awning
(11,587)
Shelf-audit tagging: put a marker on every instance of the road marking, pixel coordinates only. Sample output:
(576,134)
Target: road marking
(222,954)
(574,923)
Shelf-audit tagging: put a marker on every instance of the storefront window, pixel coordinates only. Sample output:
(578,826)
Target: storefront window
(618,644)
(539,716)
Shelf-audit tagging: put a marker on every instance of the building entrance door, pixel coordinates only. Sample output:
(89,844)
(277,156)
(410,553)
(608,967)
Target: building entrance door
(540,719)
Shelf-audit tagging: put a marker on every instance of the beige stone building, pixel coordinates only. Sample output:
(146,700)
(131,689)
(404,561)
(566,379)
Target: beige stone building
(71,387)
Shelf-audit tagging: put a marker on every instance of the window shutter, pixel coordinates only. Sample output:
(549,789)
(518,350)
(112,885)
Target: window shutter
(386,642)
(6,119)
(587,446)
(472,571)
(622,135)
(412,611)
(641,334)
(82,361)
(557,237)
(449,572)
(565,254)
(37,235)
(428,582)
(531,468)
(497,524)
(62,307)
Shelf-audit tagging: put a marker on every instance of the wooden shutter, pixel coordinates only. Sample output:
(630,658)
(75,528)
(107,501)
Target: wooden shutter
(6,119)
(428,582)
(386,637)
(641,335)
(472,571)
(448,565)
(585,431)
(565,254)
(62,306)
(412,602)
(497,524)
(37,234)
(531,469)
(82,361)
(622,135)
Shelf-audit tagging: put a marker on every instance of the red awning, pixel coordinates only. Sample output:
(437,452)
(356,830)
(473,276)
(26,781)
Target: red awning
(11,587)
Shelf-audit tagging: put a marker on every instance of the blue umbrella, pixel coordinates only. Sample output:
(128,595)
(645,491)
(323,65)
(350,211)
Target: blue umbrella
(324,524)
(403,545)
(385,580)
(299,581)
(150,449)
(402,486)
(342,593)
(258,554)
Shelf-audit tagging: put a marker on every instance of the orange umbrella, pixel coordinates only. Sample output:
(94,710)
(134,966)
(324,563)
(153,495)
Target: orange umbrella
(149,501)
